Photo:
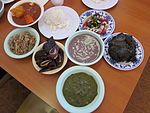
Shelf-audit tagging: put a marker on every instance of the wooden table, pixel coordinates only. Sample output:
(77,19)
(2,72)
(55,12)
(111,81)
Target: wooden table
(131,16)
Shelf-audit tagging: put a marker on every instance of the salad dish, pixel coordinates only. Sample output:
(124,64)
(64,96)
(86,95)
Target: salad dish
(98,21)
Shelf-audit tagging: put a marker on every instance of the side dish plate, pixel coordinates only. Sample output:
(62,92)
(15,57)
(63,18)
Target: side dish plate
(14,32)
(111,22)
(63,33)
(54,70)
(97,100)
(125,66)
(10,18)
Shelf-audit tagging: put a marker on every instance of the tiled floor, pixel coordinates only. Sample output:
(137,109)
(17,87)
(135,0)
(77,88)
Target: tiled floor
(14,97)
(12,94)
(140,99)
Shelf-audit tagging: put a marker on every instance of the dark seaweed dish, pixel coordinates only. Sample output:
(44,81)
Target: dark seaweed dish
(80,89)
(122,48)
(50,57)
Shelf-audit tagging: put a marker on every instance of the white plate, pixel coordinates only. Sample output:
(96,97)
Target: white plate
(124,65)
(102,6)
(7,1)
(60,33)
(15,31)
(106,15)
(54,70)
(97,100)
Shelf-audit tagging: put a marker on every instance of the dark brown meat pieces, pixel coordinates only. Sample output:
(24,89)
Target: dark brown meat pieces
(122,48)
(50,56)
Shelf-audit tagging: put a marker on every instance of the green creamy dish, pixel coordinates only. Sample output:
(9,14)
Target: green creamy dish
(80,89)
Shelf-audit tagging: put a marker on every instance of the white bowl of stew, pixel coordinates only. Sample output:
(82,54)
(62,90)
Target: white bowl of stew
(84,47)
(25,13)
(80,89)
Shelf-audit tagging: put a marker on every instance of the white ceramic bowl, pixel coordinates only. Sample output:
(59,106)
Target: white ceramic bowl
(81,33)
(7,1)
(9,15)
(15,31)
(97,100)
(1,8)
(54,70)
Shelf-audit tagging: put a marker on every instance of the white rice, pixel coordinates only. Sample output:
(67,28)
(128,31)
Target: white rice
(56,19)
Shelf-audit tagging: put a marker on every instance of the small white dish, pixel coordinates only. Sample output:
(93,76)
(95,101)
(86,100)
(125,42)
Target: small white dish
(54,70)
(9,14)
(42,2)
(124,66)
(85,32)
(14,32)
(1,8)
(97,100)
(102,5)
(7,1)
(63,33)
(57,2)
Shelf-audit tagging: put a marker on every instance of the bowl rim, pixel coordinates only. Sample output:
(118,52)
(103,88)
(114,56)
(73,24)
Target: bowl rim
(9,15)
(15,31)
(85,32)
(2,8)
(97,100)
(54,70)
